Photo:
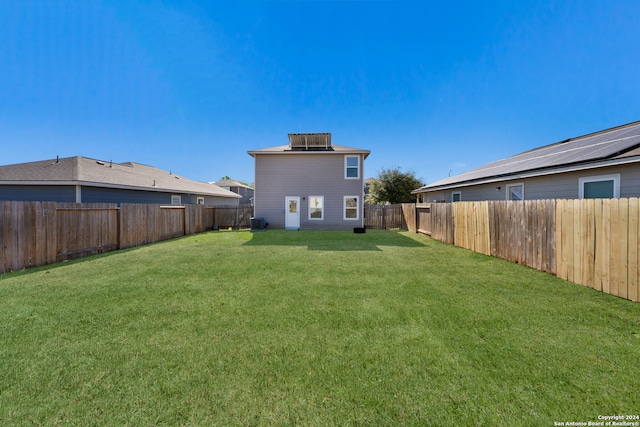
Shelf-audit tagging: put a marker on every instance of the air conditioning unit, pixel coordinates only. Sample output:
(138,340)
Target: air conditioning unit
(258,224)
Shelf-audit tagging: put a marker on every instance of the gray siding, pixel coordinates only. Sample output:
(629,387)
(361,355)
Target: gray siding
(557,186)
(302,175)
(113,195)
(38,193)
(59,193)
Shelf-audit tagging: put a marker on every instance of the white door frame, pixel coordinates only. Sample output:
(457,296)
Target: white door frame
(291,219)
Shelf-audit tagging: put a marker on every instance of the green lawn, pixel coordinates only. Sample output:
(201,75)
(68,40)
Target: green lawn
(310,328)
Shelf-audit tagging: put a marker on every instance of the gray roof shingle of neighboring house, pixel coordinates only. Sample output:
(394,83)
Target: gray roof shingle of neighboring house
(617,145)
(230,183)
(99,173)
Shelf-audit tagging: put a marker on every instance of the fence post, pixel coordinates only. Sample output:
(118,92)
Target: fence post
(384,217)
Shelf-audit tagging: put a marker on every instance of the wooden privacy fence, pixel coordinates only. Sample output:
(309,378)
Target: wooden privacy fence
(39,233)
(597,244)
(381,217)
(233,216)
(592,242)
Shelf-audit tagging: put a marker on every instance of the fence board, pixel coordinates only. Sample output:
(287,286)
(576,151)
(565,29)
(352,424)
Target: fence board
(633,261)
(568,238)
(409,217)
(539,214)
(616,251)
(580,241)
(619,242)
(46,240)
(551,238)
(601,281)
(589,260)
(502,238)
(530,231)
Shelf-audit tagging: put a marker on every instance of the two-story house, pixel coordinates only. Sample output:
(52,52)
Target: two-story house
(310,184)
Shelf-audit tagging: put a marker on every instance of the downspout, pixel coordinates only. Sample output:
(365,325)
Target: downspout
(255,184)
(362,190)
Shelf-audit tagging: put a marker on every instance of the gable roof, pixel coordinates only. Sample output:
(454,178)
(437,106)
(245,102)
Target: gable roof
(617,145)
(98,173)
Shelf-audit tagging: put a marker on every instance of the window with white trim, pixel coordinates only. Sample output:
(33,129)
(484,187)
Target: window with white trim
(176,199)
(599,187)
(515,191)
(200,200)
(456,196)
(351,208)
(316,208)
(352,167)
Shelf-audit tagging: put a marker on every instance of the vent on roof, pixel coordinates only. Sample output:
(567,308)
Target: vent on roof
(310,141)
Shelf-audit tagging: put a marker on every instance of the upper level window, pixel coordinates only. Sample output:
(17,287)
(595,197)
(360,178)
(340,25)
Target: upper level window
(599,187)
(176,199)
(351,167)
(200,200)
(316,207)
(515,191)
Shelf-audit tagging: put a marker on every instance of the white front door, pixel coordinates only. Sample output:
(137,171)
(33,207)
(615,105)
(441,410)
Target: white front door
(292,213)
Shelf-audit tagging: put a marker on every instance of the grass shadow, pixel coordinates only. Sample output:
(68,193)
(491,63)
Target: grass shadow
(324,240)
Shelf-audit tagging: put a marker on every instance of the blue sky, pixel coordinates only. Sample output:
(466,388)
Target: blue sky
(438,88)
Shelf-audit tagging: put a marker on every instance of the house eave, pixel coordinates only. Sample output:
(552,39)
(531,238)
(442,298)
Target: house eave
(254,153)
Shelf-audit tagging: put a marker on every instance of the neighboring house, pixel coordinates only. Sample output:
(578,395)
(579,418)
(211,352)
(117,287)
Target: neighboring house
(603,164)
(83,180)
(310,184)
(239,188)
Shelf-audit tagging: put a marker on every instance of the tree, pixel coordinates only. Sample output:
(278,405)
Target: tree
(393,186)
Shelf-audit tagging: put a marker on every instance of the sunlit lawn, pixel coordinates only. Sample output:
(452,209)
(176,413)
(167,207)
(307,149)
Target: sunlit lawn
(310,328)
